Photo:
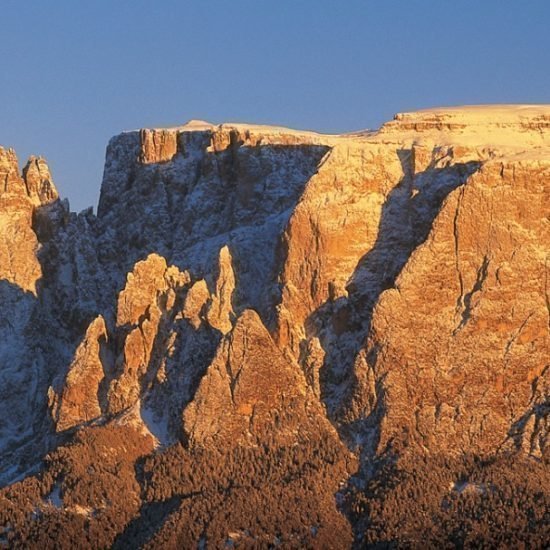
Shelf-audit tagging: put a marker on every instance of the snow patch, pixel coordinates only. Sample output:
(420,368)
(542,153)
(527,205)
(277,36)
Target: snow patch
(54,498)
(148,422)
(465,486)
(157,426)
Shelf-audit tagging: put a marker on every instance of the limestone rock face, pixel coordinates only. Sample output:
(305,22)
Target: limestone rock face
(18,243)
(252,305)
(144,307)
(462,340)
(250,392)
(11,180)
(194,304)
(80,401)
(329,232)
(150,279)
(157,145)
(220,311)
(38,181)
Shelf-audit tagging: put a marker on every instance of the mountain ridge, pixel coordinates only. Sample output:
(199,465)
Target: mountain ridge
(313,307)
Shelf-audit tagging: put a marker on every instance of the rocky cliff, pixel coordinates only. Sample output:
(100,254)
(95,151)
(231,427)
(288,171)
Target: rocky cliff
(272,337)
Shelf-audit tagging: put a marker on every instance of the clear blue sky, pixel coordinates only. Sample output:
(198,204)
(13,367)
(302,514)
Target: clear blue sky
(74,73)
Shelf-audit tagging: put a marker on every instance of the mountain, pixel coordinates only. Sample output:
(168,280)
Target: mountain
(268,337)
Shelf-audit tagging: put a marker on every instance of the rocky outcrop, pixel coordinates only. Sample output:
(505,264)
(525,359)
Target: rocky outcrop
(18,242)
(11,180)
(80,401)
(251,393)
(195,302)
(144,309)
(35,183)
(157,145)
(38,181)
(220,311)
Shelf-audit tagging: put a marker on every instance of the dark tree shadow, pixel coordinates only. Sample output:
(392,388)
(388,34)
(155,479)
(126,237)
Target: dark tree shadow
(151,518)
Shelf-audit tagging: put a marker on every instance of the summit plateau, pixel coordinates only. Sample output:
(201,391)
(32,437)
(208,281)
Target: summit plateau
(267,337)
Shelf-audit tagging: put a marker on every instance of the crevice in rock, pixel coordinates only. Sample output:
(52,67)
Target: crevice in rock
(481,276)
(459,302)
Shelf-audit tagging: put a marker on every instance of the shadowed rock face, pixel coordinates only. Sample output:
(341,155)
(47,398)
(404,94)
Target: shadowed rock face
(278,337)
